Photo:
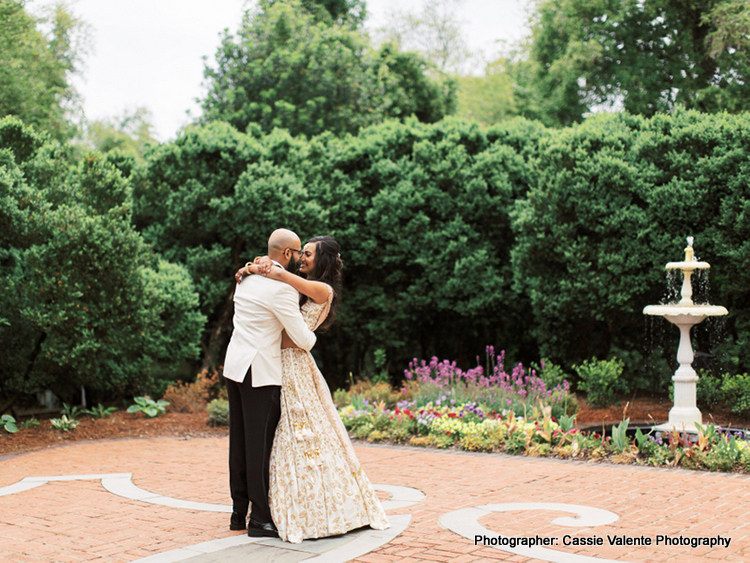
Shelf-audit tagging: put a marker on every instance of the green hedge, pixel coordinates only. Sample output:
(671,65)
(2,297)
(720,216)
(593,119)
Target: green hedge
(545,243)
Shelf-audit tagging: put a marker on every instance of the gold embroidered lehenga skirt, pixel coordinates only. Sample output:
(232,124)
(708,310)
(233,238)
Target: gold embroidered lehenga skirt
(317,487)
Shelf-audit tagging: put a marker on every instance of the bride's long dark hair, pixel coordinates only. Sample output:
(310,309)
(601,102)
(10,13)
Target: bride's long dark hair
(328,269)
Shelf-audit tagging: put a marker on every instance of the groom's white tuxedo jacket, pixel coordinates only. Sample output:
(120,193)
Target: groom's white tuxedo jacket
(262,309)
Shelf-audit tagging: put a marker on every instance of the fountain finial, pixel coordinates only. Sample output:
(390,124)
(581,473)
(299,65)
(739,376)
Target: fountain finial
(689,250)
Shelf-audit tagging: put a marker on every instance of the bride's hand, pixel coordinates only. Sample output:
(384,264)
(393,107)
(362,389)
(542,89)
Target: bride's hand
(261,265)
(265,266)
(241,272)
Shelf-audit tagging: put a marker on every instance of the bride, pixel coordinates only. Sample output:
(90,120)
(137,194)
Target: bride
(317,486)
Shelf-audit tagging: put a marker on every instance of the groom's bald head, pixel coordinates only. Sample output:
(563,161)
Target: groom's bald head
(281,243)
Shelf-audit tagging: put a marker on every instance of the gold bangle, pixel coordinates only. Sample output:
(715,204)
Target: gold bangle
(247,268)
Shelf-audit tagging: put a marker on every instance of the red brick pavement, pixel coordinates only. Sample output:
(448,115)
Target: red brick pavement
(68,521)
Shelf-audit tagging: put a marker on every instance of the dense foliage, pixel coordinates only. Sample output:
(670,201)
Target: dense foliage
(84,302)
(287,67)
(549,243)
(615,199)
(36,68)
(644,56)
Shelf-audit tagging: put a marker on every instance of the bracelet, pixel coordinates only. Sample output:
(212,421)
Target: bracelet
(247,268)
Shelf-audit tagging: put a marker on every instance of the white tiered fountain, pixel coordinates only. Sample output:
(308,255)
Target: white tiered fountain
(684,415)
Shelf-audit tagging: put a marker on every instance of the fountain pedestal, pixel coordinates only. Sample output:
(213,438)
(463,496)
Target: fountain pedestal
(685,414)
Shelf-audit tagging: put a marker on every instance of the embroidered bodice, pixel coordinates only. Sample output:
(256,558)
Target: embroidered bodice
(315,313)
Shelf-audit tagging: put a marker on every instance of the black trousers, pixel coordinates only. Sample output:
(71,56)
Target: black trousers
(253,416)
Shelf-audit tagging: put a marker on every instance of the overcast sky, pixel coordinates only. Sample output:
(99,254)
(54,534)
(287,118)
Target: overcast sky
(150,52)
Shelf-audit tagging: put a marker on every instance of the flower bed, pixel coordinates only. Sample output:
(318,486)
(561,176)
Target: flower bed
(468,427)
(521,412)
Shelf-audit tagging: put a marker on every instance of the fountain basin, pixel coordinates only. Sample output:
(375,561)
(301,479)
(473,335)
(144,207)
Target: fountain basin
(688,265)
(679,314)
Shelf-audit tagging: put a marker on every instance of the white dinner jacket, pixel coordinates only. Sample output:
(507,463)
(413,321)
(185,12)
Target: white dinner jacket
(262,309)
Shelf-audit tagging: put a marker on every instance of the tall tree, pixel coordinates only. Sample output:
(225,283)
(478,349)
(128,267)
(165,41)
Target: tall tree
(645,56)
(434,31)
(130,133)
(487,99)
(288,68)
(351,12)
(36,67)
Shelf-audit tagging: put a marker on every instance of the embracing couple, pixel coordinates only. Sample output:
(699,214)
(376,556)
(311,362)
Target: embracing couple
(290,458)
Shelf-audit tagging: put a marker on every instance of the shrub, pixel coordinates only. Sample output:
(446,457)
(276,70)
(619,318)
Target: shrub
(218,412)
(552,374)
(380,392)
(708,390)
(601,380)
(83,299)
(737,391)
(341,398)
(193,397)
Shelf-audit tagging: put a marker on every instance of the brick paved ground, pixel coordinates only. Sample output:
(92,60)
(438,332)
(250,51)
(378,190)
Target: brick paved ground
(79,520)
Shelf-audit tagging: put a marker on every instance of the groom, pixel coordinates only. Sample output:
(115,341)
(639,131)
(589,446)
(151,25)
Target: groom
(262,309)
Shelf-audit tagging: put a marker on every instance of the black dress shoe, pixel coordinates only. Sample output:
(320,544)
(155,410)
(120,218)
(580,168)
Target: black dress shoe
(261,529)
(237,522)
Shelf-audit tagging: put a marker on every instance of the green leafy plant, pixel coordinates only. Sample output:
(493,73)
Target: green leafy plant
(148,406)
(9,423)
(29,423)
(641,440)
(71,412)
(736,389)
(64,423)
(99,411)
(566,422)
(551,373)
(620,440)
(341,398)
(380,363)
(708,392)
(218,412)
(601,380)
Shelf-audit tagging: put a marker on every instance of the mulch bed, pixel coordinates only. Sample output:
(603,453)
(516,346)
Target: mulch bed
(648,410)
(643,410)
(119,425)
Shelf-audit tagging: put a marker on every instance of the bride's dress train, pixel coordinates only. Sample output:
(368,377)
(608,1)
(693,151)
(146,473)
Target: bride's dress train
(317,486)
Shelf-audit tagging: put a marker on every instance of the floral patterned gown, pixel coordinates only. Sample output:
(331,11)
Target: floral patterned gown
(317,487)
